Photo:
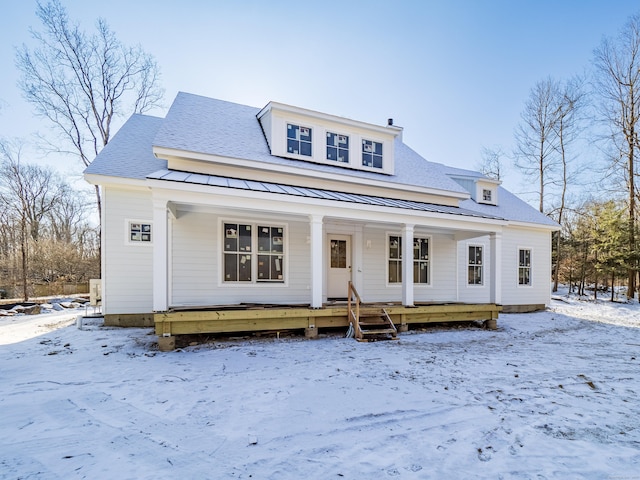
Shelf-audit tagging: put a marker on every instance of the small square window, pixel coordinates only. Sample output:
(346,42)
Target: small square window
(371,154)
(299,140)
(487,195)
(337,147)
(139,232)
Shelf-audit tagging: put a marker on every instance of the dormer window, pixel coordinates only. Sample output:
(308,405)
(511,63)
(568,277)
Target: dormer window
(337,147)
(299,140)
(371,154)
(486,195)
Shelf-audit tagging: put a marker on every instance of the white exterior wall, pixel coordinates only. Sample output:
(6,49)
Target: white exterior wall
(196,263)
(539,242)
(127,275)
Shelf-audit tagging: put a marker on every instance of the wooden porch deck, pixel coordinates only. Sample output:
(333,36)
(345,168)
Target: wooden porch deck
(252,318)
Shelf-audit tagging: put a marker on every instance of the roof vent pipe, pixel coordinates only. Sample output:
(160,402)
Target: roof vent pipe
(390,122)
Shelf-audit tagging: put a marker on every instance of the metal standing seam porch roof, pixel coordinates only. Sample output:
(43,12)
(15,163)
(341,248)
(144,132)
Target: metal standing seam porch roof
(256,186)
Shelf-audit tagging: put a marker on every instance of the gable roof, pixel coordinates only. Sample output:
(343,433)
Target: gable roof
(200,124)
(129,153)
(216,127)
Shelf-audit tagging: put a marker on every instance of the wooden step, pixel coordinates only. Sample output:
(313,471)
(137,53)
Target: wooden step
(378,331)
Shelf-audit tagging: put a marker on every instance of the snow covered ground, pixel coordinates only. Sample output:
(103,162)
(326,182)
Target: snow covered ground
(549,395)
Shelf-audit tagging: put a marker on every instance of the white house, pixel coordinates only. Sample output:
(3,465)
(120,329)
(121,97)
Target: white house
(220,204)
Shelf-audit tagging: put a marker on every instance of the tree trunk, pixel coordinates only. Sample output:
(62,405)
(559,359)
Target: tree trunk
(613,283)
(24,251)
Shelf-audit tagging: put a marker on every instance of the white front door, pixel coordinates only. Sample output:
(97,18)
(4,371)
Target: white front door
(339,271)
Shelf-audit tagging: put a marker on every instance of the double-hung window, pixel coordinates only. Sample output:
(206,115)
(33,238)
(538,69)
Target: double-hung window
(395,259)
(420,260)
(524,266)
(299,140)
(270,254)
(371,154)
(337,147)
(475,265)
(253,253)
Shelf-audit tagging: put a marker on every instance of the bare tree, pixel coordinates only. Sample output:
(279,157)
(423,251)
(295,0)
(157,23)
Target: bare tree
(567,127)
(617,80)
(536,136)
(491,163)
(29,192)
(81,82)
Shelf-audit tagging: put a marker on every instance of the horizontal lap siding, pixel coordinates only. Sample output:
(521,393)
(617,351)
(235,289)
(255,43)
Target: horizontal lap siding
(539,243)
(128,269)
(442,287)
(194,262)
(196,268)
(374,270)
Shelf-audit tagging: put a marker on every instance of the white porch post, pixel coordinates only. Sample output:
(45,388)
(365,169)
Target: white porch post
(160,256)
(407,265)
(495,239)
(317,260)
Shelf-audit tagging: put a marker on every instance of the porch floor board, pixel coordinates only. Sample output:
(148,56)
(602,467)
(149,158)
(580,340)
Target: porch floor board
(259,317)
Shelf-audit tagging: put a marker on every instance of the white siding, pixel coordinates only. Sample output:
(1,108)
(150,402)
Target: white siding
(375,288)
(443,271)
(197,270)
(194,261)
(539,242)
(128,268)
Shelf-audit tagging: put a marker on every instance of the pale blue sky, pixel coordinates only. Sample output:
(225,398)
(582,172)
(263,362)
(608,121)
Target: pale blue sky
(454,73)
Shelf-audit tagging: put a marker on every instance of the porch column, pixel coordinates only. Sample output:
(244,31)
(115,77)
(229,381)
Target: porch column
(407,265)
(317,260)
(495,246)
(160,256)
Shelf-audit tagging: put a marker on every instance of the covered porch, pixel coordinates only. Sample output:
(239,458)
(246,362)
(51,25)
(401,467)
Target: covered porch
(320,241)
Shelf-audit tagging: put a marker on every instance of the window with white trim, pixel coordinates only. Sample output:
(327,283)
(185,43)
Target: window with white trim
(253,253)
(139,232)
(371,154)
(475,265)
(337,147)
(420,260)
(524,266)
(299,140)
(487,195)
(270,254)
(395,259)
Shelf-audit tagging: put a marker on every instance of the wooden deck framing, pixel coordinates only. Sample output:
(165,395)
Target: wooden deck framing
(280,318)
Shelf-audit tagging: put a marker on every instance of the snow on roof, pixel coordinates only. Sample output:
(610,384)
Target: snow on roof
(129,153)
(200,124)
(211,126)
(511,208)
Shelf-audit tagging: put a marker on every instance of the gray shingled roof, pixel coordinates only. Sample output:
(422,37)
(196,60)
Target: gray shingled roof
(204,125)
(210,126)
(129,152)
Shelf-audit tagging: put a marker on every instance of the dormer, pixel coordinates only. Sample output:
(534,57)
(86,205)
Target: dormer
(483,190)
(310,136)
